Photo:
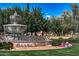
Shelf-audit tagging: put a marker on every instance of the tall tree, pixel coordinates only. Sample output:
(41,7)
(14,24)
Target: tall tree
(75,10)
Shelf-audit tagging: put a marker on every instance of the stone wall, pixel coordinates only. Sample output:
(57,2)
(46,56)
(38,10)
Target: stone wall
(26,45)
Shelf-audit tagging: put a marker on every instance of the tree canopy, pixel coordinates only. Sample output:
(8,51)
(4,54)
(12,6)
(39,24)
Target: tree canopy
(35,20)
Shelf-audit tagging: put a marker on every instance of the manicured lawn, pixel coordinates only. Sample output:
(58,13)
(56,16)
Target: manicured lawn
(72,51)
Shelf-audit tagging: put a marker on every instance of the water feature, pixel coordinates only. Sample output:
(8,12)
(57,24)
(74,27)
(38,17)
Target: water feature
(16,33)
(14,27)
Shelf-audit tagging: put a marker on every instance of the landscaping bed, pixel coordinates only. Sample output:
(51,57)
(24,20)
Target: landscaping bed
(56,42)
(72,51)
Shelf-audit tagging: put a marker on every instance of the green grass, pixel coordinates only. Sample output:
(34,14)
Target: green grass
(72,51)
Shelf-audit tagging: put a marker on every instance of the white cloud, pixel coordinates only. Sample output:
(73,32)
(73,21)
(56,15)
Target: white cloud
(48,16)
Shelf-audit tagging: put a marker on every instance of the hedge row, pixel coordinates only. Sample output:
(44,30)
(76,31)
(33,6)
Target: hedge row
(56,42)
(6,45)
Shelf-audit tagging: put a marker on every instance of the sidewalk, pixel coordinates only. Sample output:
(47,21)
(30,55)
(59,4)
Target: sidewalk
(37,48)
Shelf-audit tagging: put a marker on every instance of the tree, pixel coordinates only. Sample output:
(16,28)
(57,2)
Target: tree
(37,19)
(75,11)
(66,22)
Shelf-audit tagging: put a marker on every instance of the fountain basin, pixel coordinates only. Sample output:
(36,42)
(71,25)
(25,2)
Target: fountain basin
(14,28)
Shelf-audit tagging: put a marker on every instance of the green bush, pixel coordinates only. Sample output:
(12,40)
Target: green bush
(1,45)
(7,45)
(10,45)
(56,42)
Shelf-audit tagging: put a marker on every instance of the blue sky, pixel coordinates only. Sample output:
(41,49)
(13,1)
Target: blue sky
(55,9)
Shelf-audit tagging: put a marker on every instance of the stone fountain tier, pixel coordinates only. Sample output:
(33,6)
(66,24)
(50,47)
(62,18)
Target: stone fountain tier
(14,28)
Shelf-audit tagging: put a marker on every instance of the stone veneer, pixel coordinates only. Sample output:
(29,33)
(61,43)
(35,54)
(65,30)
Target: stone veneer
(26,45)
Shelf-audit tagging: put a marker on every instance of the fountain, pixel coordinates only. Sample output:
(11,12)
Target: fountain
(17,34)
(14,28)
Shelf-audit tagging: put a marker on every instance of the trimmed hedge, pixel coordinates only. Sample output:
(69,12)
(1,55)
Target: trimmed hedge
(6,45)
(56,42)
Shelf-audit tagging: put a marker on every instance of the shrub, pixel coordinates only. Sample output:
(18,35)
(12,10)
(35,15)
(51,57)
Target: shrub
(10,45)
(56,42)
(1,45)
(7,45)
